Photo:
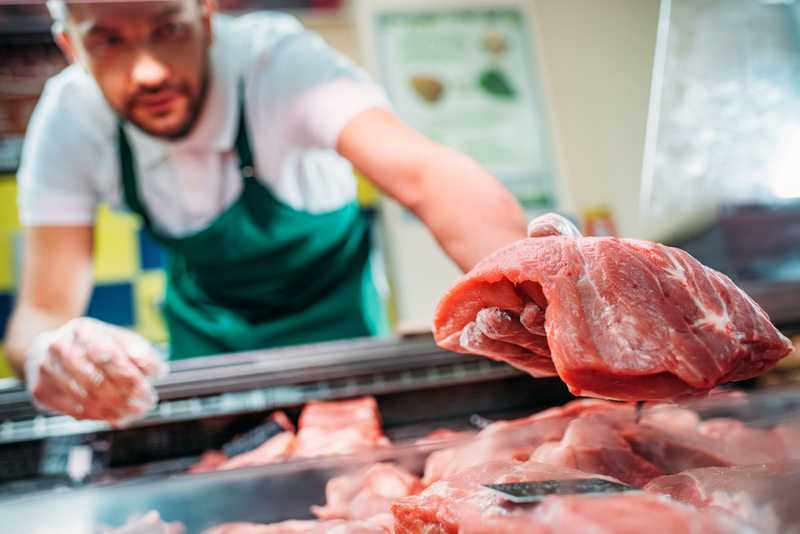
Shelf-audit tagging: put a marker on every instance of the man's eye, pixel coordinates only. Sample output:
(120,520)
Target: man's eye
(171,30)
(107,42)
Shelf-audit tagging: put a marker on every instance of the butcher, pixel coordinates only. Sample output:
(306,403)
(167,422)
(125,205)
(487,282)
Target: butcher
(235,141)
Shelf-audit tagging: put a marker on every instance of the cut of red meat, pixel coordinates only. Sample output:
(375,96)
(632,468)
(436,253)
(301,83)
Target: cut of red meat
(763,494)
(713,443)
(339,427)
(366,493)
(443,434)
(624,319)
(336,427)
(460,504)
(303,527)
(519,438)
(209,461)
(593,445)
(633,514)
(276,449)
(604,437)
(461,500)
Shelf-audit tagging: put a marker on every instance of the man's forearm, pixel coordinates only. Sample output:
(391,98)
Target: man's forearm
(468,211)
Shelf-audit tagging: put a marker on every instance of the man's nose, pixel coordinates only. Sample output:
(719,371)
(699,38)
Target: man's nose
(148,70)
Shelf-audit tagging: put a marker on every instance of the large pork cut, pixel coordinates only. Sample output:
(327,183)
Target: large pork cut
(339,427)
(461,504)
(325,428)
(614,318)
(367,492)
(518,439)
(765,494)
(593,445)
(607,438)
(377,526)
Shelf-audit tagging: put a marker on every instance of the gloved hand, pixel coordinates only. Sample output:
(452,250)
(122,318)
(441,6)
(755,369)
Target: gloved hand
(502,333)
(92,370)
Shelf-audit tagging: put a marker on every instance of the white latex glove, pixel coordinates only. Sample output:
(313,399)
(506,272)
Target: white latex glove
(93,370)
(517,333)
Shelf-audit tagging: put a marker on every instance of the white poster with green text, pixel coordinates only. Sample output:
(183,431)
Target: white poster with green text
(466,78)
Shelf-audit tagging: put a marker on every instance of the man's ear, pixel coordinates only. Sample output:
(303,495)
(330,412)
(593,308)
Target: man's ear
(208,8)
(64,42)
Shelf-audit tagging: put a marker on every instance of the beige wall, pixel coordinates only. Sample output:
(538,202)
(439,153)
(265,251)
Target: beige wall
(595,59)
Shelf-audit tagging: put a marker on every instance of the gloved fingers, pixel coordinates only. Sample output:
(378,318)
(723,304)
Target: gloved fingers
(532,319)
(142,354)
(105,353)
(60,377)
(71,360)
(475,341)
(100,397)
(552,224)
(125,393)
(54,392)
(82,370)
(501,325)
(142,396)
(121,393)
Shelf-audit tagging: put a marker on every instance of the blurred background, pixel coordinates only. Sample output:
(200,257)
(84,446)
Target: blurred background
(671,120)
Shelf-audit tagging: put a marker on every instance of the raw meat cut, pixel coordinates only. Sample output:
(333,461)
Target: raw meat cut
(209,461)
(631,514)
(336,427)
(276,449)
(339,427)
(519,438)
(444,434)
(461,500)
(623,319)
(366,493)
(460,504)
(605,437)
(763,494)
(673,452)
(304,527)
(593,445)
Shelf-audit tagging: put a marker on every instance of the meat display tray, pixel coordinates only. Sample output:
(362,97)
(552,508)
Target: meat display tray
(283,491)
(199,501)
(206,402)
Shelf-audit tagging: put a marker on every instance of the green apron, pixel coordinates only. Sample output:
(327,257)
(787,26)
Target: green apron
(263,274)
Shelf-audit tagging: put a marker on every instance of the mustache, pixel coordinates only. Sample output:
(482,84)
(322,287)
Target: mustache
(134,99)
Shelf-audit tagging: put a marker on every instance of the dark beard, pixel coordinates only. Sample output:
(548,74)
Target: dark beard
(196,105)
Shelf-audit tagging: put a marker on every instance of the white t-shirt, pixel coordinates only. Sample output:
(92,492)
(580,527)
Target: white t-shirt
(299,94)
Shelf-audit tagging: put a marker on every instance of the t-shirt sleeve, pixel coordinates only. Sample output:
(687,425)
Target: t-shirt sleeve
(315,90)
(55,177)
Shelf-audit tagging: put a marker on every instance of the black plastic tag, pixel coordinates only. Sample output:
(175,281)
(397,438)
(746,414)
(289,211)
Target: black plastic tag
(252,439)
(530,492)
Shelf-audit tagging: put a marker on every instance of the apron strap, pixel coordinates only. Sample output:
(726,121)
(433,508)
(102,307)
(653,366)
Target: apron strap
(243,150)
(130,190)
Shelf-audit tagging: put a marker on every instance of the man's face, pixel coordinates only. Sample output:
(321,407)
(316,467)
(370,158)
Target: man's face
(149,58)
